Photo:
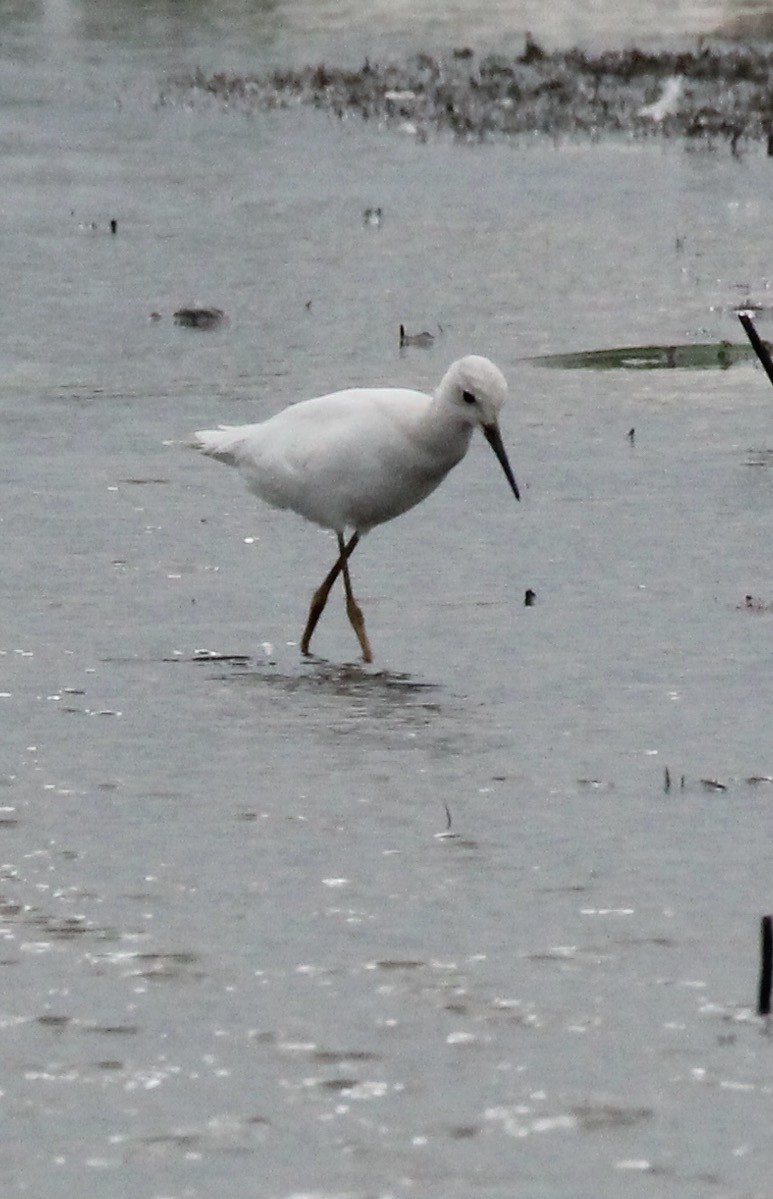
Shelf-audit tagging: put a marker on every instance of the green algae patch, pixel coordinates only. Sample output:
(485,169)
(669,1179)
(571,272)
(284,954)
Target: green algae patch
(719,355)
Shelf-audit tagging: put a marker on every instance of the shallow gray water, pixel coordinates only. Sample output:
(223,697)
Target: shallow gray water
(240,956)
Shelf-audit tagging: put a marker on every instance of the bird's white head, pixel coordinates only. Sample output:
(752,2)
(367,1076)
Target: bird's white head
(477,389)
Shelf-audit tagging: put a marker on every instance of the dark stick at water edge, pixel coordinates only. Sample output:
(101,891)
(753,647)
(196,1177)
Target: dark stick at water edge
(758,345)
(766,965)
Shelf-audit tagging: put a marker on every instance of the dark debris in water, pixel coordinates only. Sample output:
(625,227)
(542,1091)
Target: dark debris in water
(334,1056)
(600,1117)
(752,604)
(210,655)
(199,318)
(759,457)
(143,483)
(716,786)
(714,93)
(425,340)
(399,964)
(337,1084)
(164,967)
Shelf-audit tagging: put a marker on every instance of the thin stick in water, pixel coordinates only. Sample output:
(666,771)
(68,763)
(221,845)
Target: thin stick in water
(766,966)
(758,345)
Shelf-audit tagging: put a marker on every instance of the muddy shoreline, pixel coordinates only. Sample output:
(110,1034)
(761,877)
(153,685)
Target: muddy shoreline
(721,95)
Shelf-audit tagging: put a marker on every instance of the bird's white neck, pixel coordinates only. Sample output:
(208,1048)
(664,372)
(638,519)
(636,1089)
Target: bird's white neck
(445,431)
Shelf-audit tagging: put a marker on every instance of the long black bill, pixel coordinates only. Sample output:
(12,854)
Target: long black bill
(494,438)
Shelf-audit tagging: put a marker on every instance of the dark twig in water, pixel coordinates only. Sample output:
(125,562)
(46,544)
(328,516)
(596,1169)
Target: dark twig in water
(758,345)
(447,835)
(766,966)
(713,785)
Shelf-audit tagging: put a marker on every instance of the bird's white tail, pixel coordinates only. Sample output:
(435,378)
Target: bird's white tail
(218,443)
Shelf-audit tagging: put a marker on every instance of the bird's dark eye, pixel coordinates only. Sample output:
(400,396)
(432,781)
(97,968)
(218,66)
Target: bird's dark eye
(468,397)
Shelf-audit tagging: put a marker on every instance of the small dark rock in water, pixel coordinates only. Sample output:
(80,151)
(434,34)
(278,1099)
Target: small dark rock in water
(529,598)
(424,339)
(199,318)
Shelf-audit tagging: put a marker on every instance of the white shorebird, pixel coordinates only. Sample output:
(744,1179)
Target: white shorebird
(357,458)
(667,102)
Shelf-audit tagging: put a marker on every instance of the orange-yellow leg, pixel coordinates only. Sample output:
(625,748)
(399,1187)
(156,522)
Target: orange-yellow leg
(323,591)
(354,612)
